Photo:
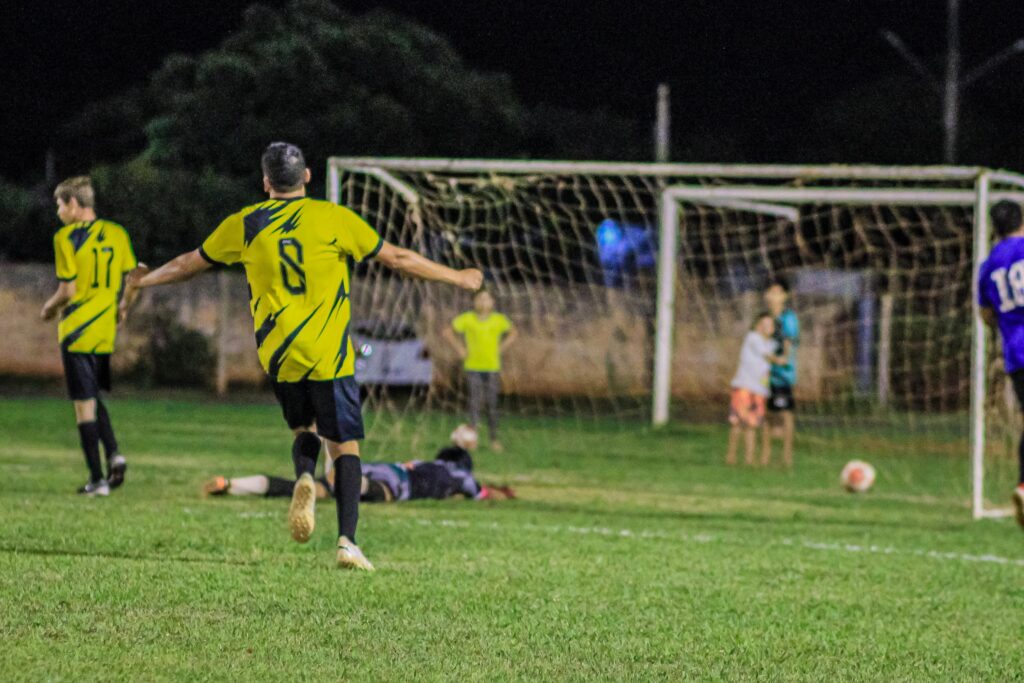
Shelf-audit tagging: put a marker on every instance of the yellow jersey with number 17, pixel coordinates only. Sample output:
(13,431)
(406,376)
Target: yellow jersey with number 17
(95,255)
(296,255)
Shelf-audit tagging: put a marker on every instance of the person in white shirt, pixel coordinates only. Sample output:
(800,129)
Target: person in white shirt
(750,387)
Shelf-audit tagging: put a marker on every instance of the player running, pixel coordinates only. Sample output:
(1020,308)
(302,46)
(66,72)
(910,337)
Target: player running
(1001,298)
(783,374)
(750,388)
(295,251)
(486,335)
(92,257)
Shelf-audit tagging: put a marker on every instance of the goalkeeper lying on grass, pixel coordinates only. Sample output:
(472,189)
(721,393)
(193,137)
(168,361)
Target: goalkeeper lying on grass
(448,475)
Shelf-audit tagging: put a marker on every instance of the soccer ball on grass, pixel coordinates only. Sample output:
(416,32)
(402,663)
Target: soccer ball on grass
(857,477)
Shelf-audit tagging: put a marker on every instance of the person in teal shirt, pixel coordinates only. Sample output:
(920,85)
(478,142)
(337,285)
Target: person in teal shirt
(782,380)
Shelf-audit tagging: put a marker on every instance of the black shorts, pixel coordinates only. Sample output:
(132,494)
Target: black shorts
(332,404)
(781,399)
(86,374)
(1017,378)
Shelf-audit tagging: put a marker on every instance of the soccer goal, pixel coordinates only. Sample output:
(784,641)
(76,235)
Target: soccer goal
(632,286)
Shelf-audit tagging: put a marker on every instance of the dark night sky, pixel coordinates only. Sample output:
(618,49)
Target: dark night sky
(736,67)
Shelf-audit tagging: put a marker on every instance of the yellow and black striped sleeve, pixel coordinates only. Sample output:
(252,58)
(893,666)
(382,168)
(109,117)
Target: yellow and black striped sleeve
(64,257)
(355,236)
(224,245)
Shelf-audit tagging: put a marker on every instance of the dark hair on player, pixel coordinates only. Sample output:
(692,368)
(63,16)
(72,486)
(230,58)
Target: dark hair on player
(459,456)
(779,280)
(284,165)
(1006,217)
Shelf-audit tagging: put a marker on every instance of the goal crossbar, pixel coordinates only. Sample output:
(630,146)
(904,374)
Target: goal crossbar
(512,166)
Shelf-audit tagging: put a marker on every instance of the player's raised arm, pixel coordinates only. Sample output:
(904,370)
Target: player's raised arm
(410,263)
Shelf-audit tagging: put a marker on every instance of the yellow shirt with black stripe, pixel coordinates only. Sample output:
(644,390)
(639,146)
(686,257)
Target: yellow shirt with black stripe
(296,255)
(95,255)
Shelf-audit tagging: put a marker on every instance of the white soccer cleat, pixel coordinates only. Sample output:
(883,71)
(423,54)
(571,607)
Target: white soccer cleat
(351,557)
(99,488)
(302,512)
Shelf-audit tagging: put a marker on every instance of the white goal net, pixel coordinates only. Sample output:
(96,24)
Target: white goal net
(632,286)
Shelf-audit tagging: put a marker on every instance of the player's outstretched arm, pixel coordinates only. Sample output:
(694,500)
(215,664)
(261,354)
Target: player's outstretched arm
(181,268)
(410,263)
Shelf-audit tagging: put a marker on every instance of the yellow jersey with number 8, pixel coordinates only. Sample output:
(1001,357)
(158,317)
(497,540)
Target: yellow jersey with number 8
(296,255)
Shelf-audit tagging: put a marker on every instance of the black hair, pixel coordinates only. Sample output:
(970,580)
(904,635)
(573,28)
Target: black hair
(761,316)
(482,290)
(780,281)
(454,454)
(1006,217)
(284,165)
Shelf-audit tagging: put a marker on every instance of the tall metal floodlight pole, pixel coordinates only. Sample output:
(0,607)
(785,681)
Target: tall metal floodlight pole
(952,86)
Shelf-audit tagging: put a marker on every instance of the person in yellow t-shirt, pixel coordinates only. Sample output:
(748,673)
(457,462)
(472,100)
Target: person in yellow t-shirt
(486,334)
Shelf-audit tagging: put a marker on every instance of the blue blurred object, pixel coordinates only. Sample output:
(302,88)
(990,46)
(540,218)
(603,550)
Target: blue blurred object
(624,250)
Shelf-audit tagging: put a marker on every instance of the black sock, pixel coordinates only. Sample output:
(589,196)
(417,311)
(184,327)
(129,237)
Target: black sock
(106,430)
(348,480)
(89,434)
(1020,458)
(278,487)
(305,451)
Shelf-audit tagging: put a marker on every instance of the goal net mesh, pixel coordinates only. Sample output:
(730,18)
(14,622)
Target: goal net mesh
(883,294)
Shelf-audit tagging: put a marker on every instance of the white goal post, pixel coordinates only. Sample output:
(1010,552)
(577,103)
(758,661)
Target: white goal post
(688,192)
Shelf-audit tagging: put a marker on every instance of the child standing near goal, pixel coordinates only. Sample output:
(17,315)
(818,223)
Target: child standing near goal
(750,387)
(486,335)
(782,379)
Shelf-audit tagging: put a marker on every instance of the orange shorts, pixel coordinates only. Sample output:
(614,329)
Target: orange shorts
(746,408)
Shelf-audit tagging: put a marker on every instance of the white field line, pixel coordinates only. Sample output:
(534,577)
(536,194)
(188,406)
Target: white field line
(710,538)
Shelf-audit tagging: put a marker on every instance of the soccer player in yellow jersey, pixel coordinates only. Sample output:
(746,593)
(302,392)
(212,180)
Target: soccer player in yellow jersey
(486,334)
(92,257)
(296,255)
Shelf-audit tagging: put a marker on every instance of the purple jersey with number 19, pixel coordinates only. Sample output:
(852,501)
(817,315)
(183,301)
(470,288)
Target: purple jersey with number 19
(1001,288)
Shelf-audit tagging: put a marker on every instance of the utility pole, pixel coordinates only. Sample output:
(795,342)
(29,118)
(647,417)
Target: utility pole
(951,92)
(663,125)
(953,84)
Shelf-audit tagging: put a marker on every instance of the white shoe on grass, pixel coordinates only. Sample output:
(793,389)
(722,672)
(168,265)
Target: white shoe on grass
(302,512)
(351,557)
(97,488)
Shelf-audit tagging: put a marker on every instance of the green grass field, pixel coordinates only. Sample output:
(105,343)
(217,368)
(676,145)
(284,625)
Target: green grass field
(631,555)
